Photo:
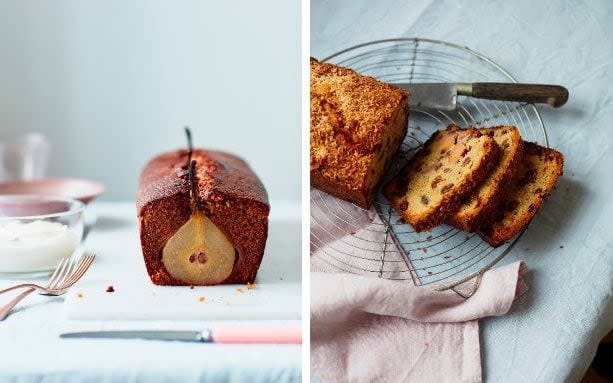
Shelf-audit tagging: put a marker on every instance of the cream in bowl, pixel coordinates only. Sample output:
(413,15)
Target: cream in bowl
(36,232)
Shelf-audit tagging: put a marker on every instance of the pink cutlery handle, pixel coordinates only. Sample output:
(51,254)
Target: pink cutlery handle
(6,309)
(273,335)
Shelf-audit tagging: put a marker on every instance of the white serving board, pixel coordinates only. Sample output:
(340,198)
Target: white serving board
(119,263)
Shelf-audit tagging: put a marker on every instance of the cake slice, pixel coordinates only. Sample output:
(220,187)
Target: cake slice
(539,170)
(481,203)
(430,188)
(357,124)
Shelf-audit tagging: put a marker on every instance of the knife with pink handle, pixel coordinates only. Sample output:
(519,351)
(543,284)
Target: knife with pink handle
(222,335)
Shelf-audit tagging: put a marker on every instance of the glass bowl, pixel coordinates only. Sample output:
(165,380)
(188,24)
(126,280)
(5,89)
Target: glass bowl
(36,232)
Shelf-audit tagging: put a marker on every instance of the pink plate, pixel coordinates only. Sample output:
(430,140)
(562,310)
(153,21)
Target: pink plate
(83,190)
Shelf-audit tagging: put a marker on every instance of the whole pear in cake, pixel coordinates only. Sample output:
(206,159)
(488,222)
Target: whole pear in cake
(203,218)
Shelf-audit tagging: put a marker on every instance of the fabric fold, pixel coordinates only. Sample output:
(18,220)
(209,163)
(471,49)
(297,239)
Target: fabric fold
(370,329)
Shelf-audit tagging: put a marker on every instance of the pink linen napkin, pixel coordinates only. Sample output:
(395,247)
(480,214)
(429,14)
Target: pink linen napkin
(366,329)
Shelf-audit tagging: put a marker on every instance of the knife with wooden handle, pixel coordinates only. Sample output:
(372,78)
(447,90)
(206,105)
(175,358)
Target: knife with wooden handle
(443,96)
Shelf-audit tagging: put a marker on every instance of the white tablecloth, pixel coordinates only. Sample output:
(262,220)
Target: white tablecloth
(552,333)
(30,350)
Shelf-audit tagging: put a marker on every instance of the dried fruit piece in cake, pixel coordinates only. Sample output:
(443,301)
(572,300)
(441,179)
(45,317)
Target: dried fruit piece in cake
(539,170)
(479,205)
(448,167)
(357,124)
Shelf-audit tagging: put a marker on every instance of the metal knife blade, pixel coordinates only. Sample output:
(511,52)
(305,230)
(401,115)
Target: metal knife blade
(440,96)
(172,335)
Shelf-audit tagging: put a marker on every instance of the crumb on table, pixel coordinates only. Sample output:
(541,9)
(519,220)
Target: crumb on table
(79,295)
(240,290)
(191,287)
(251,286)
(110,289)
(201,299)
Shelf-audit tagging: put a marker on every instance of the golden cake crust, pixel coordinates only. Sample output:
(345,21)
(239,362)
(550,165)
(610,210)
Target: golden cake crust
(357,124)
(538,173)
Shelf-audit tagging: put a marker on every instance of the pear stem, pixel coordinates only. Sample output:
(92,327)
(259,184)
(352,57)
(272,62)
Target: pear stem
(193,185)
(190,147)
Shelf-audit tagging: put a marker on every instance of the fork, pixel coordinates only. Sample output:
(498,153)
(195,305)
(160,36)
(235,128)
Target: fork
(66,274)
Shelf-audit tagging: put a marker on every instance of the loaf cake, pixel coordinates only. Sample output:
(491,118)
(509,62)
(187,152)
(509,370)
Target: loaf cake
(481,203)
(207,229)
(357,124)
(538,172)
(450,165)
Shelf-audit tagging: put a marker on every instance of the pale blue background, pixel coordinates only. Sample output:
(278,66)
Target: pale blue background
(551,334)
(111,83)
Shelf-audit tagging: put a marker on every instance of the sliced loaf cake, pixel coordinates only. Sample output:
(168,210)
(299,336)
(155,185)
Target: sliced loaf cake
(357,124)
(538,172)
(430,188)
(480,204)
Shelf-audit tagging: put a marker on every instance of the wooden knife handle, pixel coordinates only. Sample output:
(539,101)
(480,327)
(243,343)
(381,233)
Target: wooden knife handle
(553,95)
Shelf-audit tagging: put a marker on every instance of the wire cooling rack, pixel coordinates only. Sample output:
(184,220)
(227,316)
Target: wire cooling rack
(444,256)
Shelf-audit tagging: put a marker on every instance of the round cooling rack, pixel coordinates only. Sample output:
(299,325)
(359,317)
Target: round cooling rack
(444,256)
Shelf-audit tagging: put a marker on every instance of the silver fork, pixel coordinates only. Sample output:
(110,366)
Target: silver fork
(66,274)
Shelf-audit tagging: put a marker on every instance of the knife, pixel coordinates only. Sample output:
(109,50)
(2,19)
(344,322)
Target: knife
(443,96)
(224,335)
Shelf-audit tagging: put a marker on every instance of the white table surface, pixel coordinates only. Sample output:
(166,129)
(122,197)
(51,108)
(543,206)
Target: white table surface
(30,350)
(552,333)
